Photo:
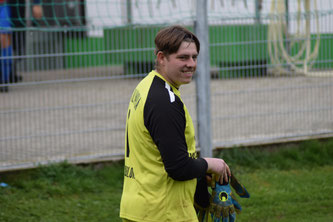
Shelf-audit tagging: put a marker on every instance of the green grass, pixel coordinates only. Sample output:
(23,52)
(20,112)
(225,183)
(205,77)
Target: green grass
(306,155)
(62,192)
(286,183)
(293,195)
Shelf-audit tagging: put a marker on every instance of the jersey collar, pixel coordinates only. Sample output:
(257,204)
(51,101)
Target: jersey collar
(175,90)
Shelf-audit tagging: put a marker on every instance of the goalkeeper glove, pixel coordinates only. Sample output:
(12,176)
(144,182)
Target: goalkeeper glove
(223,205)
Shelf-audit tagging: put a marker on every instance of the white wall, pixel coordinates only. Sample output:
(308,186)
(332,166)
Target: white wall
(111,13)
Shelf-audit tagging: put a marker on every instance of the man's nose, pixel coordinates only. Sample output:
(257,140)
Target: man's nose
(191,62)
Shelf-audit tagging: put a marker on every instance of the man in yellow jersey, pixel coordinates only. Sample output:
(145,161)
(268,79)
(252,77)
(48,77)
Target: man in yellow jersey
(161,165)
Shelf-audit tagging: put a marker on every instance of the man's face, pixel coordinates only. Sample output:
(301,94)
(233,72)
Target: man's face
(178,68)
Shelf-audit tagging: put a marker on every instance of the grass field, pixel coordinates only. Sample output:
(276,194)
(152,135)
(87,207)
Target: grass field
(286,183)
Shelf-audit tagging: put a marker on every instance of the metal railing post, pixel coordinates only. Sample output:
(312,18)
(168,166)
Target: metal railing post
(203,81)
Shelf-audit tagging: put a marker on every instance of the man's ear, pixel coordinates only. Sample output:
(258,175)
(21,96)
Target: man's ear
(160,58)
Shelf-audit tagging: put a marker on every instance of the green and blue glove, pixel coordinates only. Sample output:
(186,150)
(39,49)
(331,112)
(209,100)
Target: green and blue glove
(221,205)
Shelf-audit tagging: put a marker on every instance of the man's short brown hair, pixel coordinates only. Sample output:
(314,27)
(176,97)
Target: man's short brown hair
(169,39)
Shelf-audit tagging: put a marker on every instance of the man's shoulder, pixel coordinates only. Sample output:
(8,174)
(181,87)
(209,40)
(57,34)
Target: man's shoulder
(157,91)
(151,80)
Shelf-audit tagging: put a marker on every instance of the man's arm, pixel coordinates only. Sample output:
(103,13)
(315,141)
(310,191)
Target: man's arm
(166,124)
(165,121)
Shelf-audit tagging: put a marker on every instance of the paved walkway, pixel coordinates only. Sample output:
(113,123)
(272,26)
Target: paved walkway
(84,121)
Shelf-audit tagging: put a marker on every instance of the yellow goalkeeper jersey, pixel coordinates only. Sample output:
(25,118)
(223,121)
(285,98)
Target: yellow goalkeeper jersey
(161,165)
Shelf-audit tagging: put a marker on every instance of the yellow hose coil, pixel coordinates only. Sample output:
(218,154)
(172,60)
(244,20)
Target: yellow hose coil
(278,34)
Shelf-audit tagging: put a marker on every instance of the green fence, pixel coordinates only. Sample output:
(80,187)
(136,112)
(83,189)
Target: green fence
(237,50)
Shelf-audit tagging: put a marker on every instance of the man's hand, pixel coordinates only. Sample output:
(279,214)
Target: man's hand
(218,168)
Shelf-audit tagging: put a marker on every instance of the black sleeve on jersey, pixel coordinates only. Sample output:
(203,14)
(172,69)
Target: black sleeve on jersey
(166,123)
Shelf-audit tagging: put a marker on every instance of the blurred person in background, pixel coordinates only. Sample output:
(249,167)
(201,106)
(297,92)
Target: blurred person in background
(12,15)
